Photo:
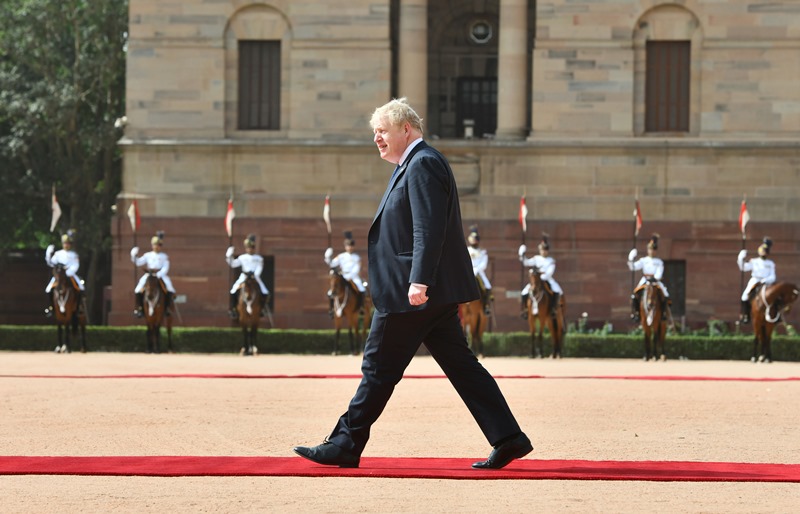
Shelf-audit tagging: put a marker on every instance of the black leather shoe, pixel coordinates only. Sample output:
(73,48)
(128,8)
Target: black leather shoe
(329,454)
(515,448)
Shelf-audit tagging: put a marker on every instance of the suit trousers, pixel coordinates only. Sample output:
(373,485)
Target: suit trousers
(393,340)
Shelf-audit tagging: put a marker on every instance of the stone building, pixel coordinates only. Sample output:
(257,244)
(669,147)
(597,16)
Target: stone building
(580,105)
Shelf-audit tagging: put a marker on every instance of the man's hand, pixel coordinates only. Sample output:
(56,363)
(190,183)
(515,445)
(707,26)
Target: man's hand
(417,294)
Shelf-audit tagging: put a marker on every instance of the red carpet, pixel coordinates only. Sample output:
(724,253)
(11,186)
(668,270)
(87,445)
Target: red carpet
(324,376)
(383,467)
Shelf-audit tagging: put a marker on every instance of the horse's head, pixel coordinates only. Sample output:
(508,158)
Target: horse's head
(60,274)
(152,286)
(782,294)
(336,280)
(534,276)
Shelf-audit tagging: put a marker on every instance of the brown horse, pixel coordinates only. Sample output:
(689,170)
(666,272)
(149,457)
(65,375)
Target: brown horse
(249,308)
(155,312)
(539,309)
(651,308)
(68,313)
(767,307)
(346,312)
(474,321)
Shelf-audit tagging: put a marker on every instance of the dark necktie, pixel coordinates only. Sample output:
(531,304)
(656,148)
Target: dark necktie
(394,173)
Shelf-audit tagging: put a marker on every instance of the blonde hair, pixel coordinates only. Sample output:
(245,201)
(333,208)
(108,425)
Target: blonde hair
(397,112)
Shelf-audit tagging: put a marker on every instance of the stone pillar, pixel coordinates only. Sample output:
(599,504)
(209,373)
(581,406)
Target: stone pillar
(512,69)
(413,59)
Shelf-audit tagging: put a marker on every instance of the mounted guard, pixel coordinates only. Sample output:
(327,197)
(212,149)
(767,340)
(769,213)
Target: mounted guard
(68,258)
(652,270)
(349,262)
(249,262)
(480,262)
(546,266)
(157,261)
(762,273)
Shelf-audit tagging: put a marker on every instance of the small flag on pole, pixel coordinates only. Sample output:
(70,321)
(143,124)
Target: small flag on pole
(56,210)
(523,214)
(744,217)
(133,216)
(326,212)
(229,215)
(637,213)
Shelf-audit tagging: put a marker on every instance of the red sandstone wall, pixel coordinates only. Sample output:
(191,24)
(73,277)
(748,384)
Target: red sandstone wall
(591,266)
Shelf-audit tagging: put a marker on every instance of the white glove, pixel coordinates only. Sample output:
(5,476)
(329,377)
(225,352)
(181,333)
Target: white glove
(742,255)
(633,254)
(328,254)
(49,252)
(134,253)
(229,252)
(522,250)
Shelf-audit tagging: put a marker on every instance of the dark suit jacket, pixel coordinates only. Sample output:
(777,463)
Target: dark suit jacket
(417,237)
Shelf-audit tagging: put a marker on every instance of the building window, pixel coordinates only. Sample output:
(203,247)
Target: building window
(477,106)
(667,86)
(259,85)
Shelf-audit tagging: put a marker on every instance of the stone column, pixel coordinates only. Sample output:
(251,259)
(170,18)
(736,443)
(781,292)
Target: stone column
(413,59)
(512,69)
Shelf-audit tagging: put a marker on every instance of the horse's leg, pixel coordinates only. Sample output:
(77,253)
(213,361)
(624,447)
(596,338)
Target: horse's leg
(83,335)
(67,334)
(336,341)
(555,336)
(351,338)
(60,338)
(766,345)
(646,344)
(149,348)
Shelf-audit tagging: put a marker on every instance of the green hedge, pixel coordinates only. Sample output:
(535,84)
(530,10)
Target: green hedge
(317,342)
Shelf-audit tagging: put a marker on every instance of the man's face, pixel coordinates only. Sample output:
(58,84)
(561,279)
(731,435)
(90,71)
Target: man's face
(250,249)
(349,248)
(392,140)
(156,247)
(67,245)
(651,252)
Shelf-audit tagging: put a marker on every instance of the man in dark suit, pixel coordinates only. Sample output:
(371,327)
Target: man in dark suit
(419,271)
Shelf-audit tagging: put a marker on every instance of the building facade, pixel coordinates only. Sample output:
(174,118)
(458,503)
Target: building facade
(582,106)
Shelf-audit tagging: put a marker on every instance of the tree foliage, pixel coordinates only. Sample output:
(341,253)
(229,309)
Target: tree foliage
(62,86)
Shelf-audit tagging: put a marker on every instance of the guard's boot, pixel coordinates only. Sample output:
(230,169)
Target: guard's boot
(487,303)
(330,307)
(48,312)
(523,303)
(635,308)
(139,310)
(264,299)
(168,304)
(664,312)
(745,319)
(554,304)
(360,302)
(234,300)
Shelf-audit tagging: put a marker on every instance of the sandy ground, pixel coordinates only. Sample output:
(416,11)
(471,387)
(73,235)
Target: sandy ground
(567,416)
